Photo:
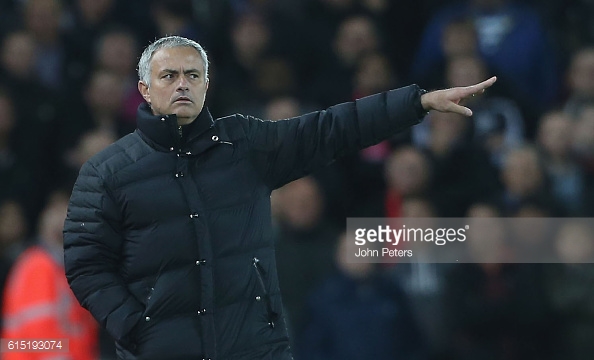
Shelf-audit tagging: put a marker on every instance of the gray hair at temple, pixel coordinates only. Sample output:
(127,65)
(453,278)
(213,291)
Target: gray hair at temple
(144,64)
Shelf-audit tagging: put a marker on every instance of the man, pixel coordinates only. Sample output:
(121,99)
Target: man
(37,301)
(168,238)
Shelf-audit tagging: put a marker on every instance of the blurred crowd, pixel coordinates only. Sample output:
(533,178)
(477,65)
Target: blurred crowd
(68,88)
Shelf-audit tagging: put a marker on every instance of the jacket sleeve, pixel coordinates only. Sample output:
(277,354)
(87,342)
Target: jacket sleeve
(289,149)
(92,245)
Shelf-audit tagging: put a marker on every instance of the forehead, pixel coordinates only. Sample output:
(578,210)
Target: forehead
(175,58)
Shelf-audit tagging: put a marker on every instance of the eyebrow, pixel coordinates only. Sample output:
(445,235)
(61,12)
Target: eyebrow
(189,71)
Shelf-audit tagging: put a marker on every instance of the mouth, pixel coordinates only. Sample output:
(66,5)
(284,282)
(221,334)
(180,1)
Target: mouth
(182,99)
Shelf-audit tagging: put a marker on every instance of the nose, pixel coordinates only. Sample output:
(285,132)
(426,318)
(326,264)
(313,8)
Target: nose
(182,84)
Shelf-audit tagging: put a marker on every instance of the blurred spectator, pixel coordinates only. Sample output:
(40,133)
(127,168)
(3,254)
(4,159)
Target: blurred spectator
(34,103)
(117,52)
(42,19)
(13,238)
(525,181)
(379,324)
(462,172)
(13,229)
(16,172)
(497,121)
(174,17)
(423,284)
(569,291)
(580,78)
(494,310)
(567,177)
(236,85)
(89,18)
(88,145)
(91,15)
(408,174)
(330,179)
(34,111)
(38,302)
(583,149)
(356,37)
(275,77)
(282,108)
(365,170)
(390,18)
(513,43)
(575,242)
(374,74)
(325,17)
(305,245)
(32,98)
(491,249)
(101,110)
(458,40)
(483,209)
(573,21)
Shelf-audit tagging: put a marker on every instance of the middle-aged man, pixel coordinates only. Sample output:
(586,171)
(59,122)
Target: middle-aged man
(168,239)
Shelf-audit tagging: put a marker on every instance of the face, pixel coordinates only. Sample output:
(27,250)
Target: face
(554,134)
(18,54)
(178,85)
(407,171)
(522,174)
(117,53)
(465,71)
(43,19)
(356,37)
(581,73)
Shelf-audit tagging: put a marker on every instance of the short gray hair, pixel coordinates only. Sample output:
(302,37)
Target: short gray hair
(144,64)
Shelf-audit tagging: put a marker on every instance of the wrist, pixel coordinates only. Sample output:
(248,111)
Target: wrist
(421,107)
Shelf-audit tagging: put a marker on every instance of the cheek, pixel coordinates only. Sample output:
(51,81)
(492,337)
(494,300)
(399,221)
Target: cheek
(158,96)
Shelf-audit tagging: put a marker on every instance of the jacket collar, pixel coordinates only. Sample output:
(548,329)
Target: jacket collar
(163,129)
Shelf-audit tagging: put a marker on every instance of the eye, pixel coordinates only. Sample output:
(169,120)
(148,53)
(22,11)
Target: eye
(194,76)
(168,76)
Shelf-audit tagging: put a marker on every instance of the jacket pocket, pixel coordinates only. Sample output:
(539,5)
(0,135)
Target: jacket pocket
(272,315)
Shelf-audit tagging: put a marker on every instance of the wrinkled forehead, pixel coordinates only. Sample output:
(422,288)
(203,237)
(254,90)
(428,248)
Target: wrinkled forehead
(177,57)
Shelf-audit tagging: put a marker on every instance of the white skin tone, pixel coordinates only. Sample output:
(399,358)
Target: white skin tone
(178,85)
(448,100)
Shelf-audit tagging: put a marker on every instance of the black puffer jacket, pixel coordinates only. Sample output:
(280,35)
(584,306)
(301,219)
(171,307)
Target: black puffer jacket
(168,242)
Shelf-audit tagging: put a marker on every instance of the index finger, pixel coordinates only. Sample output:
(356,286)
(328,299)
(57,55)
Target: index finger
(474,89)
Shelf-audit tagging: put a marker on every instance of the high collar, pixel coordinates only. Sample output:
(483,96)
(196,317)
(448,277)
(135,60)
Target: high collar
(164,129)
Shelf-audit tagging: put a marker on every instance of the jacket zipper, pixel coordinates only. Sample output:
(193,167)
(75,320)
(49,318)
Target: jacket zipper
(259,272)
(150,295)
(151,290)
(176,131)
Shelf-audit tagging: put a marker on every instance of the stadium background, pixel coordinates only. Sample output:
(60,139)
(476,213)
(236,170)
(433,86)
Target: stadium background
(68,89)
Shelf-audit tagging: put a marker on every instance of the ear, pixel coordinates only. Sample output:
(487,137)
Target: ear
(144,91)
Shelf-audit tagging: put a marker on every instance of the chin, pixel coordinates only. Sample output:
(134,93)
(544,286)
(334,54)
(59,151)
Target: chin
(185,112)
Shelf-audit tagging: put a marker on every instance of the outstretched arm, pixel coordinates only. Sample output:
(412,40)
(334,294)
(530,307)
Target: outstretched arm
(448,100)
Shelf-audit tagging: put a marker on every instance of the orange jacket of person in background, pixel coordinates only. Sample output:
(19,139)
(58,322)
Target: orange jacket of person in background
(38,303)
